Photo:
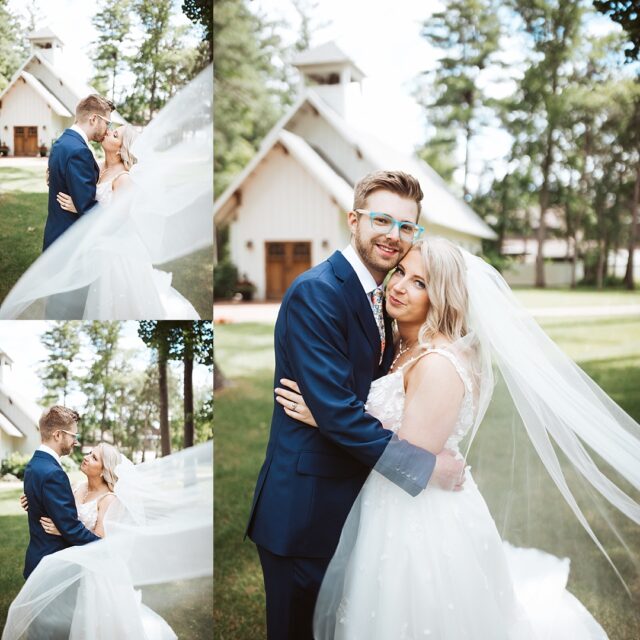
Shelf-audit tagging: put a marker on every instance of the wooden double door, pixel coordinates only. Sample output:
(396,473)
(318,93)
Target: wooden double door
(285,262)
(25,141)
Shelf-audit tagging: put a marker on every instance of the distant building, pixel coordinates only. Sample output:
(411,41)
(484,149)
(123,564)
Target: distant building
(286,211)
(40,100)
(18,415)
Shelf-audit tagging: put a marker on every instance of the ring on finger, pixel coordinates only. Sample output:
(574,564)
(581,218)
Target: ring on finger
(293,406)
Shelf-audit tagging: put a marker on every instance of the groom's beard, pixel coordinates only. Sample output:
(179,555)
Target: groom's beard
(372,258)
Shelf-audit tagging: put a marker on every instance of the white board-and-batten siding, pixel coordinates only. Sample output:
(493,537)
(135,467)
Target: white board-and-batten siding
(282,202)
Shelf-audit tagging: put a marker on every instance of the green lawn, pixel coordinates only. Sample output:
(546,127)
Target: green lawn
(608,349)
(191,601)
(23,213)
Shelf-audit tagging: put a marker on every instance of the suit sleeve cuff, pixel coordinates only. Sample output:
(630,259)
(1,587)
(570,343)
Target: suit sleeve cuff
(406,465)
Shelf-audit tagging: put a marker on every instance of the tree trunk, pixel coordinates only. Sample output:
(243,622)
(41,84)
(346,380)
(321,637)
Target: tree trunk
(600,267)
(544,204)
(188,398)
(219,380)
(165,436)
(628,276)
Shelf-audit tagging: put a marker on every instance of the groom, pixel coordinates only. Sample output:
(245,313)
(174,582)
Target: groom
(333,338)
(48,491)
(72,167)
(73,170)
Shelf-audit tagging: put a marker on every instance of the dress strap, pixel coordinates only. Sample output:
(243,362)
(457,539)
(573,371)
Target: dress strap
(117,176)
(104,496)
(462,372)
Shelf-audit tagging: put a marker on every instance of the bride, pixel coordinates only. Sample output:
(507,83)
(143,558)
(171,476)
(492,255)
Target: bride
(435,565)
(156,523)
(150,212)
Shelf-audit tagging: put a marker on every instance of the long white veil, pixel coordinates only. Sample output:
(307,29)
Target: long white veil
(101,267)
(158,531)
(554,450)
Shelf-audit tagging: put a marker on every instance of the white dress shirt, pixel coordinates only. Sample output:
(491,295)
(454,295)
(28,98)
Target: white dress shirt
(77,129)
(367,281)
(50,451)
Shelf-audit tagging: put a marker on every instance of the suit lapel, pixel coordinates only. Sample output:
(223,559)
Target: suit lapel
(358,298)
(388,349)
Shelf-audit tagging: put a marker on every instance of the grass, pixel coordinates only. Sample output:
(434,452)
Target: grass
(191,602)
(607,349)
(23,213)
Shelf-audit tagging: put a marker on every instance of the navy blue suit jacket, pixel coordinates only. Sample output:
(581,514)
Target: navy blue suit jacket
(48,491)
(72,170)
(327,340)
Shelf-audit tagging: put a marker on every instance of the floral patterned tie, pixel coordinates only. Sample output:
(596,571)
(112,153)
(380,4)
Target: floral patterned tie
(376,298)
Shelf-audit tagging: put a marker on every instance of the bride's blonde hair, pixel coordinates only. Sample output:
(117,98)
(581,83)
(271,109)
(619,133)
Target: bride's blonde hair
(129,134)
(110,460)
(446,282)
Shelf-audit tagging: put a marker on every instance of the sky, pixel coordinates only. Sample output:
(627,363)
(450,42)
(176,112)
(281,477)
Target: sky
(20,340)
(384,41)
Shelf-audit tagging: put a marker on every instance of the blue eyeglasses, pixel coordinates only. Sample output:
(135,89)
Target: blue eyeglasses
(384,223)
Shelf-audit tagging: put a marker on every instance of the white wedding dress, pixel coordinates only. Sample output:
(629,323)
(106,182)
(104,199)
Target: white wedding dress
(155,627)
(128,269)
(434,566)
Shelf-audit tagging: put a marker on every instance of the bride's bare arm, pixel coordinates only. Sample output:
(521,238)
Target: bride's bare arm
(103,505)
(434,395)
(122,182)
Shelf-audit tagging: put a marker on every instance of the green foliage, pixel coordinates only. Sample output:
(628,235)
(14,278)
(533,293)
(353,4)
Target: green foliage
(14,464)
(62,342)
(201,12)
(225,279)
(468,34)
(11,48)
(626,14)
(138,36)
(113,24)
(249,89)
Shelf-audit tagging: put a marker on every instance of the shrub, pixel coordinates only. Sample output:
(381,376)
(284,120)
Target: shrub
(14,464)
(225,279)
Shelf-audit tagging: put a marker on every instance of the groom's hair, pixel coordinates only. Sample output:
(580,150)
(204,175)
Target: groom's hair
(93,104)
(54,418)
(397,182)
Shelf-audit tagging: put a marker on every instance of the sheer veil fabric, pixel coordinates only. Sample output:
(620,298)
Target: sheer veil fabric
(568,457)
(104,263)
(158,531)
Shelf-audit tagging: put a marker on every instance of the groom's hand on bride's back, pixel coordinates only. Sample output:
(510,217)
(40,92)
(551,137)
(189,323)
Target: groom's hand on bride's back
(448,473)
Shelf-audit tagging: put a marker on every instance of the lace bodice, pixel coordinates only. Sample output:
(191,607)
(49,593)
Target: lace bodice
(386,400)
(104,190)
(88,513)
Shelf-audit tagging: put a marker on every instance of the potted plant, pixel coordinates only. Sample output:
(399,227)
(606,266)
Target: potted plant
(43,150)
(4,149)
(245,287)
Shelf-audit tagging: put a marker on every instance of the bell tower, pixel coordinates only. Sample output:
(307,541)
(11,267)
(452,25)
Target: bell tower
(47,44)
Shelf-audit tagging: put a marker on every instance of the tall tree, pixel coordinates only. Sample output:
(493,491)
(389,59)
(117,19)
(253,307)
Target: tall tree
(468,32)
(101,381)
(163,61)
(553,29)
(62,342)
(193,342)
(11,45)
(158,336)
(249,96)
(113,24)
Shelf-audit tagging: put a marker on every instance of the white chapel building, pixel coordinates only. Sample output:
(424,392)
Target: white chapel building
(40,100)
(18,415)
(286,211)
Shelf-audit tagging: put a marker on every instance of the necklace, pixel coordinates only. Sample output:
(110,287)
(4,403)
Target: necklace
(402,351)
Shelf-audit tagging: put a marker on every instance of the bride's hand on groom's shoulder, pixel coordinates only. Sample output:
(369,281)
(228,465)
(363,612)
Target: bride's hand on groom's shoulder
(24,503)
(293,403)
